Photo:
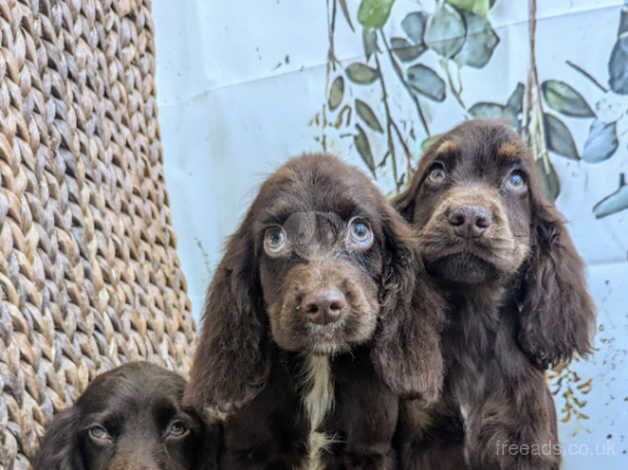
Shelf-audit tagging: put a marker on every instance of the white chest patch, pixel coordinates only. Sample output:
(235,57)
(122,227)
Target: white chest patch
(318,400)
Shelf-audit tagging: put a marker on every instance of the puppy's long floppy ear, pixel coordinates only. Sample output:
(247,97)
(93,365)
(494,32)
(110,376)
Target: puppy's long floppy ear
(557,314)
(59,449)
(231,362)
(405,202)
(406,353)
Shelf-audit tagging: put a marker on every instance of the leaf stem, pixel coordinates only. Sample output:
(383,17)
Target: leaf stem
(588,75)
(399,73)
(406,150)
(533,123)
(456,92)
(391,144)
(331,30)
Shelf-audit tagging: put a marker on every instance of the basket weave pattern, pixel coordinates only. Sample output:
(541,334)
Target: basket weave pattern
(89,275)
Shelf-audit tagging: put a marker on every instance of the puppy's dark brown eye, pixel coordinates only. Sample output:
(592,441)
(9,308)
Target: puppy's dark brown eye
(360,234)
(437,174)
(177,429)
(99,434)
(274,240)
(516,181)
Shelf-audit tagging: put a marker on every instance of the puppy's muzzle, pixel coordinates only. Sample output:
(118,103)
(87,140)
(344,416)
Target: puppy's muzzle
(469,220)
(323,306)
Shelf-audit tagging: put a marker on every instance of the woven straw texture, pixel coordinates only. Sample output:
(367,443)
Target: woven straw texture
(89,276)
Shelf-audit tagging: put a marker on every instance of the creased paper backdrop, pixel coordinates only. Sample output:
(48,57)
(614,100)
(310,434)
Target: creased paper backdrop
(244,85)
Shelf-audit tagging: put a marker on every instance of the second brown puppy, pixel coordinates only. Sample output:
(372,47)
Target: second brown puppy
(517,303)
(316,323)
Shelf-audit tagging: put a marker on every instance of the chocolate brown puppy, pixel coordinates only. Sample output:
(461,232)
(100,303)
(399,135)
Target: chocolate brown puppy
(517,303)
(129,418)
(316,322)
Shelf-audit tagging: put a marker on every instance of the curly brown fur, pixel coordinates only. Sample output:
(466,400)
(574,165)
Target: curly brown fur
(129,417)
(317,286)
(517,297)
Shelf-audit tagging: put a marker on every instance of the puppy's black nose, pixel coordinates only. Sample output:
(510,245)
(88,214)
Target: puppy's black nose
(324,306)
(470,221)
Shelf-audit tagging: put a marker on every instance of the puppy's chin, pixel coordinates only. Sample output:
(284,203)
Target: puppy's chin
(329,349)
(463,268)
(320,340)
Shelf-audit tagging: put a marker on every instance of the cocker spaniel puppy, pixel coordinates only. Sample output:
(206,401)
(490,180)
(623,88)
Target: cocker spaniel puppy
(517,298)
(129,418)
(316,322)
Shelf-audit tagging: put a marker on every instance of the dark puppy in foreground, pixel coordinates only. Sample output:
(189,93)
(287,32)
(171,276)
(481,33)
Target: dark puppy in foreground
(128,418)
(316,322)
(518,303)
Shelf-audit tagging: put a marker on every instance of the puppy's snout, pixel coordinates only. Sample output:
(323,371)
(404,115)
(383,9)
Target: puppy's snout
(324,306)
(470,221)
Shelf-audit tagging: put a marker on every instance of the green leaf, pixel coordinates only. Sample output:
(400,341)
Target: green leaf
(558,137)
(345,12)
(361,74)
(426,81)
(446,31)
(404,50)
(618,66)
(364,148)
(515,101)
(563,98)
(374,13)
(478,7)
(601,143)
(336,93)
(493,111)
(369,41)
(623,21)
(481,41)
(614,202)
(550,184)
(486,110)
(414,26)
(367,115)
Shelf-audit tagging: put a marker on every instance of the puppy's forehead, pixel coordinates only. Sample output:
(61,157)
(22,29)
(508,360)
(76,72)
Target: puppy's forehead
(316,183)
(130,388)
(481,148)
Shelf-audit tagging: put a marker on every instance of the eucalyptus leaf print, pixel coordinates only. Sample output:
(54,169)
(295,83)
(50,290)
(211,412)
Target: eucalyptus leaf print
(336,93)
(601,143)
(405,50)
(446,30)
(374,13)
(615,202)
(477,7)
(515,101)
(367,115)
(565,99)
(363,146)
(361,74)
(369,42)
(481,41)
(489,110)
(618,62)
(549,179)
(559,138)
(414,26)
(427,82)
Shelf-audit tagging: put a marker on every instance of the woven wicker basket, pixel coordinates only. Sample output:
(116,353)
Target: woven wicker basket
(89,276)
